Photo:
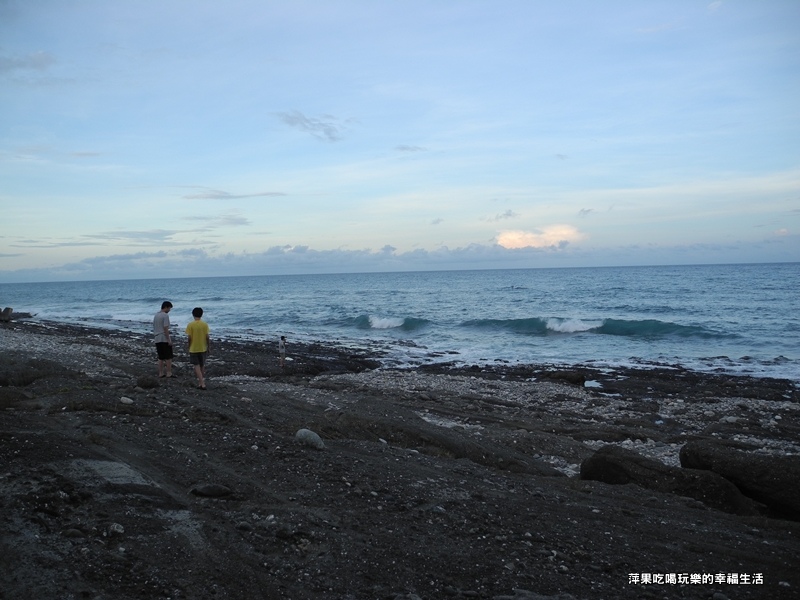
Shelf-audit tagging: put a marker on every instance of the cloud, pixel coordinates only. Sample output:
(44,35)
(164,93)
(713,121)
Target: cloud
(326,128)
(38,61)
(210,194)
(715,6)
(56,244)
(584,212)
(302,259)
(139,238)
(554,236)
(509,214)
(437,221)
(404,148)
(227,220)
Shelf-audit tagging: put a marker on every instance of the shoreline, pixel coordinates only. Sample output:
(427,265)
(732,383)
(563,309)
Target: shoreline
(365,353)
(437,481)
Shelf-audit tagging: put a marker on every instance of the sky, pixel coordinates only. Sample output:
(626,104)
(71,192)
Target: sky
(252,137)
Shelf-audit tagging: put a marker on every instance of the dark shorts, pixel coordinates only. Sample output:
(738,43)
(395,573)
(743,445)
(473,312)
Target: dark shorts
(198,358)
(164,351)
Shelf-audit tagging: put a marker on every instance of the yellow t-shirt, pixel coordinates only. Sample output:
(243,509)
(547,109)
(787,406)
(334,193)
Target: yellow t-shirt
(198,333)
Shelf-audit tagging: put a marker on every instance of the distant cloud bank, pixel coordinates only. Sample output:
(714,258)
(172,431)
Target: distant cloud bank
(547,248)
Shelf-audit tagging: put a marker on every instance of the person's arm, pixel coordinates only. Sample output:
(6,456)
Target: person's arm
(166,333)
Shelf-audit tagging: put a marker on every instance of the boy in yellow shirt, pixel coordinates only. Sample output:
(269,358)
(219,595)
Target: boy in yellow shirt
(199,345)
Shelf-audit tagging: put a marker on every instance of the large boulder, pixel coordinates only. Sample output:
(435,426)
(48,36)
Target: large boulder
(615,465)
(772,480)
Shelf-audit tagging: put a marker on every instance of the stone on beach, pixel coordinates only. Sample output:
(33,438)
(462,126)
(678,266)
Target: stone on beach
(309,438)
(615,465)
(771,480)
(210,490)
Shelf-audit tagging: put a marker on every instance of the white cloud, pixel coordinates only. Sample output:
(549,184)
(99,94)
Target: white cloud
(553,236)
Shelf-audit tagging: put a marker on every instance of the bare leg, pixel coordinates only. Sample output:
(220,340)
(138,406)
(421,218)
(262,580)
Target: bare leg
(200,372)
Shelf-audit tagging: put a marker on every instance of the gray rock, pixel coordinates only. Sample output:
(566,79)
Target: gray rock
(615,465)
(309,438)
(771,480)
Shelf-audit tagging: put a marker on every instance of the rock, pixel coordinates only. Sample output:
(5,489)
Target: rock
(615,465)
(771,480)
(73,532)
(573,377)
(309,438)
(210,490)
(8,314)
(147,382)
(126,400)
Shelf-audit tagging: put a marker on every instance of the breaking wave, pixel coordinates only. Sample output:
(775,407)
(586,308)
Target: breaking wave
(381,322)
(647,328)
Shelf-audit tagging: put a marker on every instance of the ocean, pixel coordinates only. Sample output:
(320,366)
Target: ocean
(738,319)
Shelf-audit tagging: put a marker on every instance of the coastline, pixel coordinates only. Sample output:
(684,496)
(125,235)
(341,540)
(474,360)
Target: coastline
(434,481)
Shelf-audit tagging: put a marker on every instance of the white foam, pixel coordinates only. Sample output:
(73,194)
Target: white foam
(385,322)
(571,325)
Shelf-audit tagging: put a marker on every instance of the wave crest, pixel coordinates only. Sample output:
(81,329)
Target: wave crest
(645,328)
(383,322)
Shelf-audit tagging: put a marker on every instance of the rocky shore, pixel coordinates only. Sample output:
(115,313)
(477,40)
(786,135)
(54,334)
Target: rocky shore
(334,478)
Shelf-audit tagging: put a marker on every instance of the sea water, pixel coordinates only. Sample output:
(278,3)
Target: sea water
(740,319)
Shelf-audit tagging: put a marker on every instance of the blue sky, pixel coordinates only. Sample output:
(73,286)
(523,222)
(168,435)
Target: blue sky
(186,138)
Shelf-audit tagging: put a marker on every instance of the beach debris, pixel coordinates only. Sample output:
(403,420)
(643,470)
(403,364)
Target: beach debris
(309,438)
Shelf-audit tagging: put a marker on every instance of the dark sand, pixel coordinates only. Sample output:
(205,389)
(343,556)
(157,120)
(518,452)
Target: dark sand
(433,483)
